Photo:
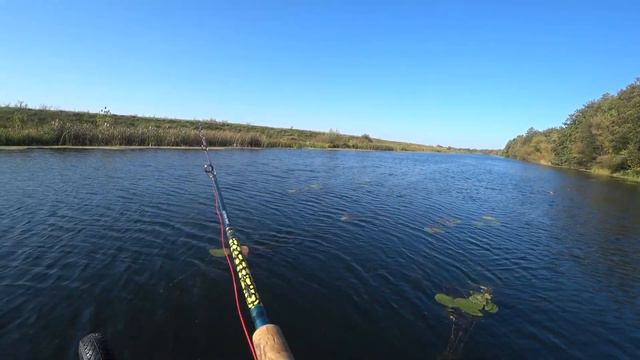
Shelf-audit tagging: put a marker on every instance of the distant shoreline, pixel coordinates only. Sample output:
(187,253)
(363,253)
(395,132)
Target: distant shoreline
(68,147)
(63,147)
(48,129)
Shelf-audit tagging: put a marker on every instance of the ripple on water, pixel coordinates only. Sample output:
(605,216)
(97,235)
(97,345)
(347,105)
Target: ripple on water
(118,242)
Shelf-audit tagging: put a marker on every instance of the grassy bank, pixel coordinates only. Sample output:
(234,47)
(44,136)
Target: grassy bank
(630,176)
(22,126)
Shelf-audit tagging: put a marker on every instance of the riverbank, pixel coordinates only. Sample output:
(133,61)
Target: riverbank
(595,171)
(63,147)
(116,148)
(22,126)
(602,137)
(607,173)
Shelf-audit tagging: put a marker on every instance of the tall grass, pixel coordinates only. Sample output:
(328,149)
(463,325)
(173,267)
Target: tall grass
(21,126)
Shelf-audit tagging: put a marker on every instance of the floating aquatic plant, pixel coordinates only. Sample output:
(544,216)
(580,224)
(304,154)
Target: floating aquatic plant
(216,252)
(472,305)
(449,221)
(490,219)
(346,217)
(305,188)
(464,313)
(434,230)
(485,220)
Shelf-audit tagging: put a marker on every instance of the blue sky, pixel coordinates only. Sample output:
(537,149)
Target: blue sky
(458,73)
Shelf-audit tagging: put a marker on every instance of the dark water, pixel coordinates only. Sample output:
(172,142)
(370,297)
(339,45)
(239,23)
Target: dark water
(117,242)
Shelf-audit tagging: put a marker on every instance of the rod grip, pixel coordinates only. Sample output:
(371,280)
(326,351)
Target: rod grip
(270,343)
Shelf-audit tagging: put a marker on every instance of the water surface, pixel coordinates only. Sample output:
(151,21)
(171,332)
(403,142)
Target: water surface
(347,249)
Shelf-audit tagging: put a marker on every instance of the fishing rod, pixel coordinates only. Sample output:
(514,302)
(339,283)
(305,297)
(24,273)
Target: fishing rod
(268,341)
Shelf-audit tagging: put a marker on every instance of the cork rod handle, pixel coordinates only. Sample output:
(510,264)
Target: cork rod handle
(270,343)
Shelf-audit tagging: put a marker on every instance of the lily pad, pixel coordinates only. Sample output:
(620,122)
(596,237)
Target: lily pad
(445,300)
(479,298)
(217,252)
(473,305)
(468,306)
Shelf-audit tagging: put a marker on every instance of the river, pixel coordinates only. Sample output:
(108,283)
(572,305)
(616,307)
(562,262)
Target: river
(347,250)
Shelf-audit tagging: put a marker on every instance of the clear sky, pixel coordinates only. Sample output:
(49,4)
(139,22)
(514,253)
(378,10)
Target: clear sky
(458,73)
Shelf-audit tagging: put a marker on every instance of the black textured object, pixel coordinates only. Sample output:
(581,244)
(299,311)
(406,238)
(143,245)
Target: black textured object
(94,347)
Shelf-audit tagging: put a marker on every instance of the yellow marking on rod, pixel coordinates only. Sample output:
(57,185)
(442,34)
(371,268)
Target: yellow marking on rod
(246,281)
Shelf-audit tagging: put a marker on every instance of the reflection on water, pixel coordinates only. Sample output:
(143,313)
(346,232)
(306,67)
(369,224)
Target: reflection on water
(118,242)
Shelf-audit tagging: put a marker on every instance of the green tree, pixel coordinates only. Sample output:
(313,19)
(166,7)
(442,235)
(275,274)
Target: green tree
(604,133)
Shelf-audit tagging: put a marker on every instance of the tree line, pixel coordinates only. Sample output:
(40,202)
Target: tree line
(602,136)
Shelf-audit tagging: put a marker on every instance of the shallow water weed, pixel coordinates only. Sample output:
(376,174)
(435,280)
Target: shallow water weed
(347,217)
(311,187)
(434,229)
(449,221)
(485,220)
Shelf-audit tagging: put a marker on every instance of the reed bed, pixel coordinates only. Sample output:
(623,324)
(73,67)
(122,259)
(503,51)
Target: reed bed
(22,126)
